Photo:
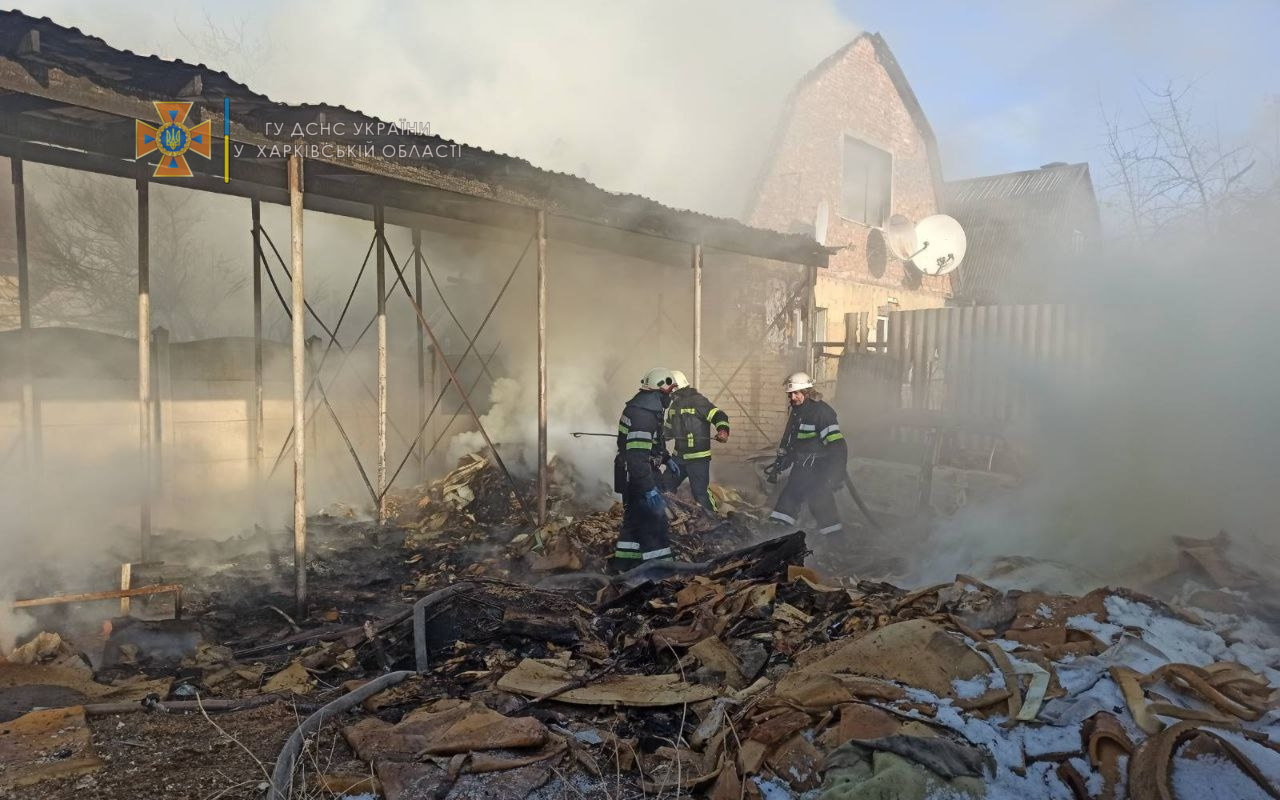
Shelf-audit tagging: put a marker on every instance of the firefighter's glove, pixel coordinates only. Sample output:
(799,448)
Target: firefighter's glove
(675,470)
(654,502)
(779,465)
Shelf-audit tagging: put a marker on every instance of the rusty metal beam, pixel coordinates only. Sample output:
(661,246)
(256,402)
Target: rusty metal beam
(299,350)
(31,438)
(258,413)
(543,477)
(697,315)
(381,266)
(422,367)
(144,360)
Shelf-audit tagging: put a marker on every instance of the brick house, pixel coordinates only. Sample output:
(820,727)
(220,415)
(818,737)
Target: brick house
(854,135)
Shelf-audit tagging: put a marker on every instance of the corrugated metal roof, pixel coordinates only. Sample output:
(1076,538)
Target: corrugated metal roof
(515,180)
(1018,226)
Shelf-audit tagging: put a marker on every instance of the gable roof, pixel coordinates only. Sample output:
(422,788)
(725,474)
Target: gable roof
(897,77)
(84,94)
(1016,225)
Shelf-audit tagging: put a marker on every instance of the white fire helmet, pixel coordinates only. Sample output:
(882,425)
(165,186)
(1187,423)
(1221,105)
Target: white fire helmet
(797,381)
(658,379)
(682,380)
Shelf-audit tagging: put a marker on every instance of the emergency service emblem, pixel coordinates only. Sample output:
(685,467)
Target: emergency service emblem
(173,139)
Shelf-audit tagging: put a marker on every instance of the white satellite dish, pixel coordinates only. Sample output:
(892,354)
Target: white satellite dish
(900,236)
(820,219)
(941,244)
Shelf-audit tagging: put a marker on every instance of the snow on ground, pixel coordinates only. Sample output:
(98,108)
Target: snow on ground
(1140,637)
(1211,777)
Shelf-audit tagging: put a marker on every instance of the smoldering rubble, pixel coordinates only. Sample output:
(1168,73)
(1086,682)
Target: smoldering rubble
(456,651)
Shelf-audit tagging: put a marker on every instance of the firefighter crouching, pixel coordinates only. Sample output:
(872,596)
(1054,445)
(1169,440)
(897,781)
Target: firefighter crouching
(690,418)
(815,450)
(644,535)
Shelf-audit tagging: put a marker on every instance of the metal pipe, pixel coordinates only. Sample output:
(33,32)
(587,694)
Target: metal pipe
(255,208)
(144,360)
(299,351)
(697,315)
(812,324)
(543,477)
(30,413)
(422,367)
(380,231)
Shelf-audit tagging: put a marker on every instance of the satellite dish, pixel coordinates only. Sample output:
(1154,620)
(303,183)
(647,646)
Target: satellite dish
(900,235)
(941,245)
(820,218)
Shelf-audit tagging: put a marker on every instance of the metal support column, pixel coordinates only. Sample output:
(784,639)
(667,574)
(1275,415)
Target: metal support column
(697,315)
(542,368)
(144,361)
(31,443)
(257,415)
(811,323)
(299,350)
(380,233)
(422,366)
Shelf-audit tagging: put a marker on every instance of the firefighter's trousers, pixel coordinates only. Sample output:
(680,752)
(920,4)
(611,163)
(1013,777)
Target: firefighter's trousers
(644,535)
(810,484)
(698,471)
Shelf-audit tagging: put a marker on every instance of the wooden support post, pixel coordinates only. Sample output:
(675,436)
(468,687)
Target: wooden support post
(126,583)
(422,366)
(697,315)
(144,360)
(31,439)
(380,233)
(257,415)
(543,477)
(299,352)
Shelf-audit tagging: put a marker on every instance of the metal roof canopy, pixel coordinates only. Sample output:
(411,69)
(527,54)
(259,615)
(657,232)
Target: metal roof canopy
(71,101)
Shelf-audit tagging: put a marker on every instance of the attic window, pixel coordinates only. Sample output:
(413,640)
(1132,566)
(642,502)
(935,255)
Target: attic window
(864,195)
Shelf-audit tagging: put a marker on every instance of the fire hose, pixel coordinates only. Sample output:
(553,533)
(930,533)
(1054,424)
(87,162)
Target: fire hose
(282,777)
(857,499)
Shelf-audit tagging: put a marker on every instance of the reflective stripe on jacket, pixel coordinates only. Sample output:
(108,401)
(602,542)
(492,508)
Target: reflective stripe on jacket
(689,420)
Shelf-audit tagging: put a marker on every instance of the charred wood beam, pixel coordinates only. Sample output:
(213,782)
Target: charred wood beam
(113,594)
(23,103)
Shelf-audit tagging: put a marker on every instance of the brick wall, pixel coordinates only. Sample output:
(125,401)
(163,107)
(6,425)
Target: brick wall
(851,93)
(741,296)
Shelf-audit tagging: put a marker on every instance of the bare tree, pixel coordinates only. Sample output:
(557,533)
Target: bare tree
(1167,170)
(85,259)
(238,48)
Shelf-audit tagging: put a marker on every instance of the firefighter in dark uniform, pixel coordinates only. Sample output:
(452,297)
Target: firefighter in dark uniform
(690,418)
(815,450)
(644,535)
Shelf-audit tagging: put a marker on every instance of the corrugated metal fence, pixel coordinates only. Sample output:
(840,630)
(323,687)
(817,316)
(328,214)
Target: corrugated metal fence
(981,361)
(972,368)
